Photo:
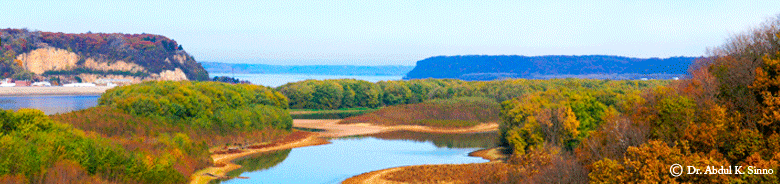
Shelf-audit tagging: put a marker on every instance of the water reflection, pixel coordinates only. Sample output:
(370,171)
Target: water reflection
(257,162)
(347,157)
(49,104)
(464,140)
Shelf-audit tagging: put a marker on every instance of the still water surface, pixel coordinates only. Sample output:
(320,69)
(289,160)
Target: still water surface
(276,80)
(347,157)
(49,104)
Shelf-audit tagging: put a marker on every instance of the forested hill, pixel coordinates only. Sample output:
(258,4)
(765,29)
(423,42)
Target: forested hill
(482,67)
(386,70)
(37,55)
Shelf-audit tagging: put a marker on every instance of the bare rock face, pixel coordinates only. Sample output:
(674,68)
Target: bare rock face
(49,58)
(94,78)
(172,75)
(181,58)
(116,65)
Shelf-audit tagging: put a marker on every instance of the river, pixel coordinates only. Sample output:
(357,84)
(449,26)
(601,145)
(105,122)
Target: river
(49,104)
(276,80)
(351,156)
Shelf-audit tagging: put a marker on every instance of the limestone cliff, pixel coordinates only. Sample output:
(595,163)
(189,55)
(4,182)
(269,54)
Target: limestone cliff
(104,65)
(45,59)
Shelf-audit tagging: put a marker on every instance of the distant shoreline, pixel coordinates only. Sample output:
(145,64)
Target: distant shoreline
(52,91)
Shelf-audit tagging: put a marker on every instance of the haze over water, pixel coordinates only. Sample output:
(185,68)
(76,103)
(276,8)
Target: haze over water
(276,80)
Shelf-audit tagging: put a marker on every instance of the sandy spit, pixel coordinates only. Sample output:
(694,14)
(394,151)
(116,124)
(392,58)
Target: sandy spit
(334,129)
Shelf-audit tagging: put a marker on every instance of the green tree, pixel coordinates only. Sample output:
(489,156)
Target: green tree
(349,98)
(328,95)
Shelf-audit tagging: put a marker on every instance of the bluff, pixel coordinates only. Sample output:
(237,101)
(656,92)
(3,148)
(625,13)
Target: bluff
(482,67)
(92,56)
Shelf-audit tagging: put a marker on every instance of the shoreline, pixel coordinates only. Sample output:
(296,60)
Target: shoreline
(495,156)
(223,163)
(331,129)
(53,91)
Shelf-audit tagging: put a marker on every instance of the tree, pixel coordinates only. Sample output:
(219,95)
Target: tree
(570,126)
(328,95)
(766,86)
(349,97)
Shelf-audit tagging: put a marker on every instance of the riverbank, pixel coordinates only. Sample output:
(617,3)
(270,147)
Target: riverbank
(223,161)
(442,173)
(30,91)
(331,129)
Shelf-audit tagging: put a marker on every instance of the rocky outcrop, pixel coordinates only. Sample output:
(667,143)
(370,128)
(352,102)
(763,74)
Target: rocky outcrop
(94,78)
(116,65)
(173,75)
(48,58)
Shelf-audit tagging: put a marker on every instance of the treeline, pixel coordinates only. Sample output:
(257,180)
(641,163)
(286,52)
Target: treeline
(147,50)
(213,106)
(80,70)
(231,80)
(483,67)
(725,115)
(350,93)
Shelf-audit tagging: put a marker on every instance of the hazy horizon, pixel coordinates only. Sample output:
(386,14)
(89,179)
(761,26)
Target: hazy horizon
(401,33)
(260,62)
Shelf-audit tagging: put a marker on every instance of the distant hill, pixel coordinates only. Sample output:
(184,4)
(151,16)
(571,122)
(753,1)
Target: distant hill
(93,56)
(214,67)
(481,67)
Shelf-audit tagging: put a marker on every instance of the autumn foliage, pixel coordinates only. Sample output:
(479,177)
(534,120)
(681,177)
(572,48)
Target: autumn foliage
(725,114)
(351,93)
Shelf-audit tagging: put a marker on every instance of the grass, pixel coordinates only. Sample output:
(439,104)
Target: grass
(463,173)
(329,114)
(492,172)
(445,113)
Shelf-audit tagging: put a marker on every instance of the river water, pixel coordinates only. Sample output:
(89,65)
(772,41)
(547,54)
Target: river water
(49,104)
(276,80)
(347,157)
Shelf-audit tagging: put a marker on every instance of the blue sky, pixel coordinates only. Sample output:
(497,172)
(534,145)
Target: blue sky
(402,32)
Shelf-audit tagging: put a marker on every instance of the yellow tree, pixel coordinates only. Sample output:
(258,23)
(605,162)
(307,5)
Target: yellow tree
(570,125)
(767,87)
